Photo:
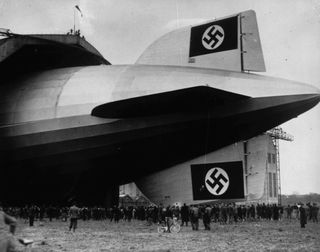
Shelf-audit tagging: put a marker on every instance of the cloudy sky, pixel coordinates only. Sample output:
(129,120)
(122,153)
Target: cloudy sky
(122,29)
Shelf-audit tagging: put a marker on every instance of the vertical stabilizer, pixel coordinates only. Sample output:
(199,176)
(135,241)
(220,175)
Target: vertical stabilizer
(251,45)
(230,43)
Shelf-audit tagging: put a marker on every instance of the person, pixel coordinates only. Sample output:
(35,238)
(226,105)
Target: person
(194,217)
(50,212)
(224,213)
(31,214)
(314,212)
(74,214)
(303,216)
(7,240)
(116,214)
(184,214)
(288,210)
(168,217)
(207,217)
(275,212)
(149,215)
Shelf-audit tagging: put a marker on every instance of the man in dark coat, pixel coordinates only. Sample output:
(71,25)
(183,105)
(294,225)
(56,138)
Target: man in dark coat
(74,215)
(275,212)
(314,212)
(184,214)
(303,216)
(31,214)
(206,218)
(194,217)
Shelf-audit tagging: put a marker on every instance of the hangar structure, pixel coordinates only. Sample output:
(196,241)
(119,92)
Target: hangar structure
(75,127)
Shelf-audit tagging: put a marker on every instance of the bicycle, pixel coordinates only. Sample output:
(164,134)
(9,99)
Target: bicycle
(174,226)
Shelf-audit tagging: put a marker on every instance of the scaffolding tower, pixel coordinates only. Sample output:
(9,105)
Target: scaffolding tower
(276,134)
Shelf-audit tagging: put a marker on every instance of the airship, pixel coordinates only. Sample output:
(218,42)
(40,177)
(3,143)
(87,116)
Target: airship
(74,126)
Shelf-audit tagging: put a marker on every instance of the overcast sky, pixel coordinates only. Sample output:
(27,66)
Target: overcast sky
(122,29)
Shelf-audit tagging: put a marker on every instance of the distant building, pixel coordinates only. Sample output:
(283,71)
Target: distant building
(130,195)
(125,201)
(130,189)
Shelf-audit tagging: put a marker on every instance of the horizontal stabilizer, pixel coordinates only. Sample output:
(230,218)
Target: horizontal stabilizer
(179,101)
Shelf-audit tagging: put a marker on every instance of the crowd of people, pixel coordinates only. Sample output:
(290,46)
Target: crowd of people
(218,213)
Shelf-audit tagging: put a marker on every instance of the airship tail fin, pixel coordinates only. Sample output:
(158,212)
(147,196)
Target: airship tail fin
(230,43)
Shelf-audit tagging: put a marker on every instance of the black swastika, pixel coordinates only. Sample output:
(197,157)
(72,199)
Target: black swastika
(213,37)
(216,181)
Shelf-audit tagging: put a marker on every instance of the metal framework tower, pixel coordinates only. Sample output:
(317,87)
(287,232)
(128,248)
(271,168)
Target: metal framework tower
(276,134)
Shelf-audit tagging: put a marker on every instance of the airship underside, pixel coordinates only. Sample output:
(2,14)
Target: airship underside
(80,131)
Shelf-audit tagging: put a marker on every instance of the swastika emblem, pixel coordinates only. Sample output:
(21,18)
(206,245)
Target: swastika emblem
(217,181)
(213,37)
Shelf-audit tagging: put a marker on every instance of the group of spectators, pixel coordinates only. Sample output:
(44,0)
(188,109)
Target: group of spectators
(230,213)
(219,213)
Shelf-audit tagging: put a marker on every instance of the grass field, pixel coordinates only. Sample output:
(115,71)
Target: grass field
(138,236)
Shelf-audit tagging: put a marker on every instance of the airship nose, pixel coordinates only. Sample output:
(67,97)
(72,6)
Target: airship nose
(309,90)
(299,96)
(314,96)
(313,90)
(312,99)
